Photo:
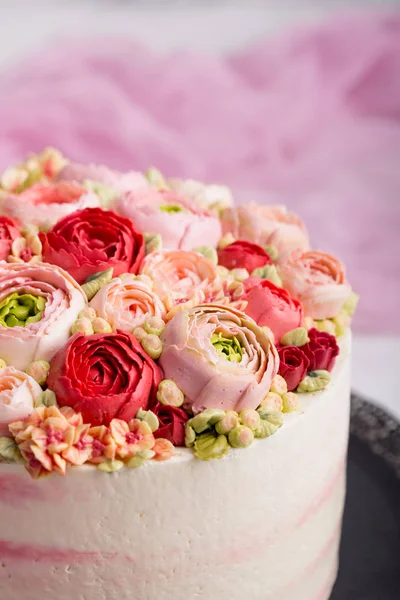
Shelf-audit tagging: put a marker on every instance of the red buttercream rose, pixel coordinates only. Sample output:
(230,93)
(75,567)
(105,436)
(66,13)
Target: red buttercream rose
(271,306)
(243,255)
(293,365)
(172,423)
(321,350)
(8,233)
(92,240)
(104,376)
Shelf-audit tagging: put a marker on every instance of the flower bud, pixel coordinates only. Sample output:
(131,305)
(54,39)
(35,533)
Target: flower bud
(152,345)
(229,422)
(241,437)
(209,252)
(225,241)
(278,385)
(240,274)
(272,252)
(206,419)
(148,417)
(269,272)
(290,402)
(296,337)
(153,242)
(190,435)
(272,401)
(3,363)
(82,325)
(154,325)
(100,325)
(88,313)
(250,418)
(210,445)
(139,333)
(326,325)
(169,394)
(39,369)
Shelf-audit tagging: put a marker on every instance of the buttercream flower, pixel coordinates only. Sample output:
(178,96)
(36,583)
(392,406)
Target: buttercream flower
(171,423)
(51,439)
(267,226)
(271,306)
(318,281)
(182,224)
(182,279)
(37,168)
(8,233)
(77,172)
(44,204)
(211,196)
(293,365)
(131,438)
(93,240)
(321,350)
(18,392)
(104,377)
(219,357)
(38,305)
(243,255)
(127,302)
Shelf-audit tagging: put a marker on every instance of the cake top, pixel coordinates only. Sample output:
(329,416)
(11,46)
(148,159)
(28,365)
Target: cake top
(139,314)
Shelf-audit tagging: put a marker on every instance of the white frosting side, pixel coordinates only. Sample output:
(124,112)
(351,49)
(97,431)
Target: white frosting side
(259,524)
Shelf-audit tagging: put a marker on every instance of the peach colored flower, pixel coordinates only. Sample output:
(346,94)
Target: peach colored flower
(163,449)
(132,437)
(104,446)
(317,280)
(182,279)
(267,226)
(126,302)
(45,204)
(51,439)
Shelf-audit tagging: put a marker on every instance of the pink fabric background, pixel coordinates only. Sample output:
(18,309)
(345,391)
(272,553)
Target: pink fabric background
(311,120)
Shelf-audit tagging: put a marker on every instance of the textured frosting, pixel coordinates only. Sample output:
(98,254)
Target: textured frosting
(165,531)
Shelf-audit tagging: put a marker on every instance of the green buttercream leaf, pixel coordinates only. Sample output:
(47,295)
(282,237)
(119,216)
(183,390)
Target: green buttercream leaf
(9,451)
(96,281)
(19,310)
(210,445)
(229,348)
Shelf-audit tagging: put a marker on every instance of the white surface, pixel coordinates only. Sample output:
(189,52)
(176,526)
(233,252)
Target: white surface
(178,530)
(214,29)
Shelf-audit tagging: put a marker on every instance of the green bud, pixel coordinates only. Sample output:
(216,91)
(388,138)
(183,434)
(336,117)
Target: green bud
(154,325)
(210,445)
(225,241)
(168,393)
(278,385)
(206,419)
(229,422)
(39,369)
(290,402)
(139,333)
(351,304)
(190,435)
(209,252)
(152,345)
(3,364)
(239,274)
(296,337)
(314,382)
(153,242)
(105,193)
(87,313)
(325,325)
(100,325)
(156,178)
(9,451)
(241,437)
(149,417)
(272,252)
(109,466)
(46,398)
(96,281)
(250,418)
(82,325)
(269,272)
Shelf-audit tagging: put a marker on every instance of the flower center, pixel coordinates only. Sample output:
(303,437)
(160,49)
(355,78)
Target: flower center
(132,438)
(228,348)
(171,208)
(19,310)
(98,448)
(54,437)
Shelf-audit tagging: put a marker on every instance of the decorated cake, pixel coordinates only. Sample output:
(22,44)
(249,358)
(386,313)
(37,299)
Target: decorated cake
(174,391)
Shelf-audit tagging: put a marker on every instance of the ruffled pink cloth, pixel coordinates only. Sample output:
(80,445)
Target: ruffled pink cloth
(311,121)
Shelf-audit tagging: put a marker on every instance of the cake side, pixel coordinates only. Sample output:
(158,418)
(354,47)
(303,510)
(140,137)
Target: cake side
(211,528)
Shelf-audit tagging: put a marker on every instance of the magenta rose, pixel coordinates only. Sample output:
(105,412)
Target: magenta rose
(8,233)
(293,365)
(243,255)
(104,377)
(271,306)
(172,423)
(321,350)
(92,240)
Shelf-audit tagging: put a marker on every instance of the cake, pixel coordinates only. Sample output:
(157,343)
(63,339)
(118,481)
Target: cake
(174,391)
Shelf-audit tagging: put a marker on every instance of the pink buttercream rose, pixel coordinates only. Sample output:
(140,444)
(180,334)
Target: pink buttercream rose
(317,280)
(182,224)
(44,204)
(271,306)
(181,279)
(45,334)
(267,226)
(193,356)
(18,392)
(131,180)
(126,302)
